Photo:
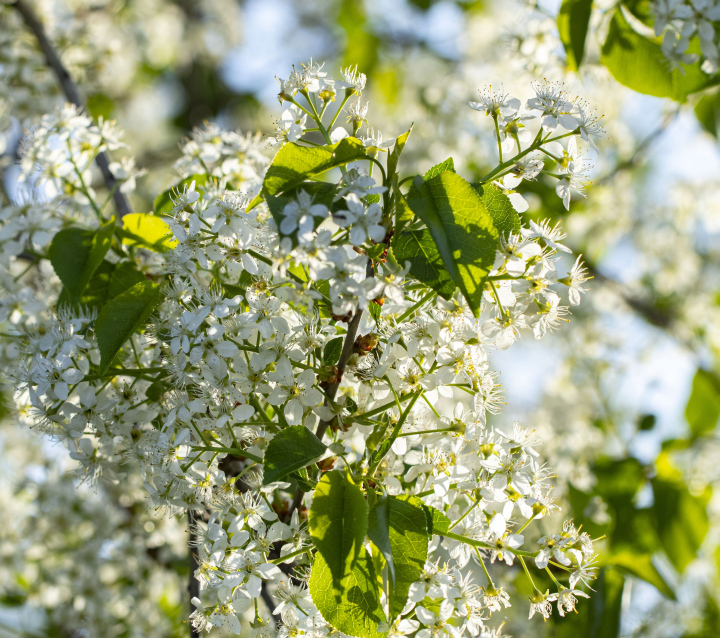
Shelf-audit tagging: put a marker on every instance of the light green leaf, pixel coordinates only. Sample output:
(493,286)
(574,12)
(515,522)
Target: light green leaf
(639,63)
(332,351)
(338,522)
(703,407)
(461,227)
(295,164)
(362,44)
(147,230)
(437,522)
(409,545)
(447,165)
(641,566)
(707,111)
(573,20)
(681,521)
(163,202)
(293,448)
(504,216)
(343,584)
(352,604)
(123,316)
(394,157)
(76,254)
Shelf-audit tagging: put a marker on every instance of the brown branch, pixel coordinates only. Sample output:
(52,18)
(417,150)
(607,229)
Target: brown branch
(72,94)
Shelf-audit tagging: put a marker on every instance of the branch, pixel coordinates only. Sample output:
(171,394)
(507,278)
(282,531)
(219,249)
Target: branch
(193,583)
(72,94)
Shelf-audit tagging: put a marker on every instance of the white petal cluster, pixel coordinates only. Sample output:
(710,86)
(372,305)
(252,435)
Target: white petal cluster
(239,349)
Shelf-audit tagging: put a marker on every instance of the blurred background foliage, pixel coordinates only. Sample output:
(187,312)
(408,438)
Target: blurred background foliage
(626,400)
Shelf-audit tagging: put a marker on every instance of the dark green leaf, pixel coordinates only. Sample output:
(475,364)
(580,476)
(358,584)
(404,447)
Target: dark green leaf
(108,281)
(303,480)
(418,247)
(76,254)
(600,616)
(447,165)
(293,448)
(462,229)
(639,63)
(331,353)
(573,20)
(163,202)
(646,422)
(123,316)
(703,407)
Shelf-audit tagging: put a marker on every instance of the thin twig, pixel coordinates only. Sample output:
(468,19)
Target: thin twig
(72,94)
(193,583)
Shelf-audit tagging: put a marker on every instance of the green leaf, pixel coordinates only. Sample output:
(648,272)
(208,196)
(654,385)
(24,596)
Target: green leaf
(409,545)
(639,63)
(343,583)
(338,521)
(447,165)
(295,164)
(379,532)
(703,407)
(100,105)
(573,20)
(108,282)
(462,229)
(331,353)
(362,44)
(403,215)
(394,157)
(352,604)
(418,247)
(75,255)
(303,480)
(124,315)
(437,522)
(504,216)
(293,448)
(163,202)
(646,422)
(641,566)
(707,111)
(147,230)
(600,616)
(681,521)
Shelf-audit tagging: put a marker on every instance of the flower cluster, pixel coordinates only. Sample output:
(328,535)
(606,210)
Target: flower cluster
(296,310)
(555,109)
(679,21)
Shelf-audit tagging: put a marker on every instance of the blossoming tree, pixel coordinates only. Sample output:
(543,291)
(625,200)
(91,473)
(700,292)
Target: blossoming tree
(295,350)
